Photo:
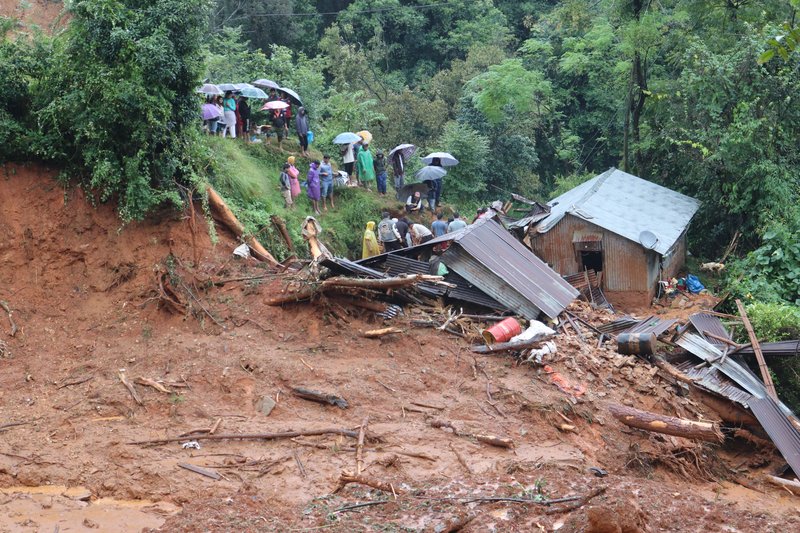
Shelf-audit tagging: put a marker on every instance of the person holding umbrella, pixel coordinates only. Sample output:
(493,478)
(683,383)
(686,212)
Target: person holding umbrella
(365,166)
(301,124)
(244,115)
(398,156)
(229,105)
(211,115)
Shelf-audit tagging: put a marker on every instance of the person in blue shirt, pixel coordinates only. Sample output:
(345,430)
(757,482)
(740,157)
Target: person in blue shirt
(326,182)
(439,226)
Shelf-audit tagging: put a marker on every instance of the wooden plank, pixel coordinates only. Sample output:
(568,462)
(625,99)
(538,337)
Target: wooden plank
(762,363)
(201,471)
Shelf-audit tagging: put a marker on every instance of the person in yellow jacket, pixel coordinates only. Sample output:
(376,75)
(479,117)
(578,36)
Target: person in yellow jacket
(370,246)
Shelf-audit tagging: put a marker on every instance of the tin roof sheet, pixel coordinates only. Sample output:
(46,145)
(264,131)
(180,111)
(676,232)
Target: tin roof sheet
(626,205)
(780,430)
(706,323)
(397,265)
(489,257)
(711,379)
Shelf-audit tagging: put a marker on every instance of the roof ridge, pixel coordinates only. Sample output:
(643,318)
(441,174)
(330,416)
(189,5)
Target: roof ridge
(601,179)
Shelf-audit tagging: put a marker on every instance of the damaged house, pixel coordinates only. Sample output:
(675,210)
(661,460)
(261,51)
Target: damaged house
(632,232)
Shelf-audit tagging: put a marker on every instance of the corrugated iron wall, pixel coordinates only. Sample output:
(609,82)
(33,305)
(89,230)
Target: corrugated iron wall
(676,260)
(625,264)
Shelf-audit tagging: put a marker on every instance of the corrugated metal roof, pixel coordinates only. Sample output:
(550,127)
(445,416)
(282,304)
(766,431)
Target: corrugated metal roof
(697,345)
(711,379)
(652,324)
(490,258)
(774,349)
(466,292)
(396,265)
(626,205)
(706,323)
(779,429)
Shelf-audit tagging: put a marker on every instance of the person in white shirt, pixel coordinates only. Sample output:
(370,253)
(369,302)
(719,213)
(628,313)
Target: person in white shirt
(420,234)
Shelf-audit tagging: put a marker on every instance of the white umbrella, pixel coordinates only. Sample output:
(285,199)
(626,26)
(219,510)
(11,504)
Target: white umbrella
(446,159)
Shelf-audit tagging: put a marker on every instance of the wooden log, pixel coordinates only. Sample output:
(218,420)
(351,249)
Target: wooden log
(321,397)
(669,425)
(346,478)
(377,333)
(223,213)
(786,483)
(280,225)
(762,363)
(510,346)
(309,291)
(253,436)
(7,309)
(201,471)
(147,382)
(494,440)
(360,446)
(128,385)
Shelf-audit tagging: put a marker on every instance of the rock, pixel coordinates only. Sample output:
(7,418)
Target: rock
(78,493)
(265,405)
(91,524)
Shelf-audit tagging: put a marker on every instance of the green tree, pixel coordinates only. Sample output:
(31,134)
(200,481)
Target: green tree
(118,101)
(465,182)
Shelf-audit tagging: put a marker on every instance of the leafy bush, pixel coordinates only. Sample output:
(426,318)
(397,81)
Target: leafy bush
(123,113)
(771,273)
(467,180)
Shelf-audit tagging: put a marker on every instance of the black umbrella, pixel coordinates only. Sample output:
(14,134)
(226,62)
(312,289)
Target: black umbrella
(293,95)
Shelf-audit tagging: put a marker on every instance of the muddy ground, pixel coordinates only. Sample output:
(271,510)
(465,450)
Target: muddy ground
(84,293)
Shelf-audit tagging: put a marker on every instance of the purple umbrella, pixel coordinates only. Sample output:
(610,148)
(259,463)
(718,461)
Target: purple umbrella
(210,112)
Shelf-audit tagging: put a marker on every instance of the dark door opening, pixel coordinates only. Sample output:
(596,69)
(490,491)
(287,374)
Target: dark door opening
(592,261)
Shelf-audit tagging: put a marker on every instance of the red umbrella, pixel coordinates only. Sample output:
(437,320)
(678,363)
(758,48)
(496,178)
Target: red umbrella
(275,104)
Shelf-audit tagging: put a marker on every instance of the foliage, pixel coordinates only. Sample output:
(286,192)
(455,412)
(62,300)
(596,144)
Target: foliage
(775,322)
(124,114)
(466,180)
(771,273)
(409,116)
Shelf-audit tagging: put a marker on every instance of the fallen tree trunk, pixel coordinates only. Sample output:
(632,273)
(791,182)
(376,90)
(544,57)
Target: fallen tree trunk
(511,346)
(670,425)
(377,333)
(254,436)
(310,290)
(281,227)
(346,478)
(785,483)
(226,217)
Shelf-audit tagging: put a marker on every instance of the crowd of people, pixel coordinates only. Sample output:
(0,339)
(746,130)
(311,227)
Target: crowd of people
(232,115)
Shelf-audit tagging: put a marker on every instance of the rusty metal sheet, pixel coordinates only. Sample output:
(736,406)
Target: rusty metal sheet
(653,324)
(619,325)
(775,349)
(706,323)
(396,265)
(780,430)
(489,257)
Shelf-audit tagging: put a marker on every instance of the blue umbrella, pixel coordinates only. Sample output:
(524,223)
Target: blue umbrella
(430,173)
(253,92)
(346,138)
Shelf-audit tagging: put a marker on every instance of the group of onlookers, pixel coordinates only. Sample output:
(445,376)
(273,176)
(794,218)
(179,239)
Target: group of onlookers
(319,183)
(397,233)
(232,115)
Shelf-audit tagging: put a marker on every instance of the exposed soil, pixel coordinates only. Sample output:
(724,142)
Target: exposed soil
(84,292)
(43,13)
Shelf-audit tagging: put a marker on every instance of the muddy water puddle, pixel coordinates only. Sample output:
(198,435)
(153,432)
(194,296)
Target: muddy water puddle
(58,508)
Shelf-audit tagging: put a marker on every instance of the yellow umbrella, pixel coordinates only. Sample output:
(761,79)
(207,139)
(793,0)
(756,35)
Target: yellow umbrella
(367,136)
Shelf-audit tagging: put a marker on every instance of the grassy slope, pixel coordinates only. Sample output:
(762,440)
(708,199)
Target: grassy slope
(247,176)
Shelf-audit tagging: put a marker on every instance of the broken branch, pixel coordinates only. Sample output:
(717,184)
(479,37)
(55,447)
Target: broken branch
(346,478)
(253,436)
(128,385)
(670,425)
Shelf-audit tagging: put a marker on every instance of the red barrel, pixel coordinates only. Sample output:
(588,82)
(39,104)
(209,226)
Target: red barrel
(502,331)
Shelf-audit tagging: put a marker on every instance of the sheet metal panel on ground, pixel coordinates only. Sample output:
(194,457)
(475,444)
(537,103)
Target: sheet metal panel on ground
(490,258)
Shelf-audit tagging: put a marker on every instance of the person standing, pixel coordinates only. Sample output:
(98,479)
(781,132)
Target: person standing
(294,177)
(229,105)
(244,115)
(312,185)
(457,223)
(402,226)
(349,160)
(399,171)
(326,182)
(380,172)
(286,187)
(279,126)
(221,119)
(365,167)
(370,245)
(388,234)
(439,226)
(301,124)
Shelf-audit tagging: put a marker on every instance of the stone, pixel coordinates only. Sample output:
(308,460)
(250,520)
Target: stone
(265,405)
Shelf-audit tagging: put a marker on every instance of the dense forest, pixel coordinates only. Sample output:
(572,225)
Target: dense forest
(534,97)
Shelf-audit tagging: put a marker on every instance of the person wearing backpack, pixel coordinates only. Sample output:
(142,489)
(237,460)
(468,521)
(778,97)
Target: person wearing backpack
(286,187)
(387,234)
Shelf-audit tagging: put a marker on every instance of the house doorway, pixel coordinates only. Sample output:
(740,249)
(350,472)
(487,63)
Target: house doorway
(592,260)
